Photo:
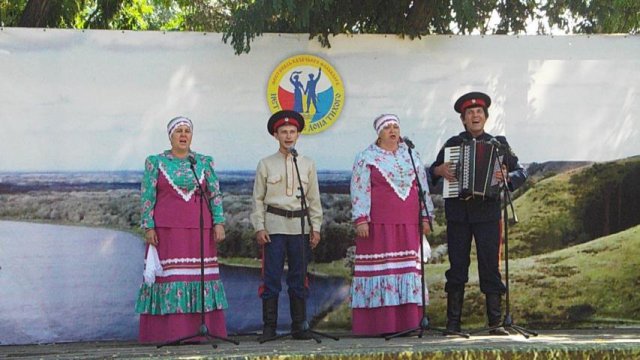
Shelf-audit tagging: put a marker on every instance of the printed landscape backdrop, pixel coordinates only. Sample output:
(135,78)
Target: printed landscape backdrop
(80,110)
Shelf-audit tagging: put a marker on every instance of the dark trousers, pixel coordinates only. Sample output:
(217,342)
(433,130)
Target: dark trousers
(487,237)
(292,247)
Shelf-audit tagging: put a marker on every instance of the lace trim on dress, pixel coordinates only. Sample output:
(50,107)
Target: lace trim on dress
(390,165)
(401,190)
(185,196)
(188,260)
(387,255)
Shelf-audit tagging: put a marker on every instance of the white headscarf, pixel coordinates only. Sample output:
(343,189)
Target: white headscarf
(383,120)
(177,121)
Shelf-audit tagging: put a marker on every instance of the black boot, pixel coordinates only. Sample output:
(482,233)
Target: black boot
(269,318)
(494,313)
(299,325)
(454,310)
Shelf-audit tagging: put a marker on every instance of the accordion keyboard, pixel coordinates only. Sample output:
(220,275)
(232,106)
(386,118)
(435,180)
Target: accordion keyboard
(450,189)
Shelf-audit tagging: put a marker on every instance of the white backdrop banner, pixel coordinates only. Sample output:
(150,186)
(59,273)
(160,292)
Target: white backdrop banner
(100,100)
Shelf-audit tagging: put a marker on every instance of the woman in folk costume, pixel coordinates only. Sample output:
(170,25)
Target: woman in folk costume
(386,289)
(169,300)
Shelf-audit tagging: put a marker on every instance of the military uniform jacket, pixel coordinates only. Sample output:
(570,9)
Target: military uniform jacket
(476,209)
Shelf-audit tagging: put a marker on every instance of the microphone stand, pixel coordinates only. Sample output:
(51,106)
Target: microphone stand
(203,331)
(305,213)
(424,323)
(507,323)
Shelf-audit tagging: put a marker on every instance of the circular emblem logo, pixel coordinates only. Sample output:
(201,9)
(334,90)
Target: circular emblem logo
(309,85)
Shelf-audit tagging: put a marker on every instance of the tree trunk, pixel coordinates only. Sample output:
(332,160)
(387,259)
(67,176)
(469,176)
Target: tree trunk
(39,13)
(620,190)
(418,17)
(606,226)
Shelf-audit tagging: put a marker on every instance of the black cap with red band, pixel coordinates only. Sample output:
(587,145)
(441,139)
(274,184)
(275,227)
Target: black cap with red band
(472,99)
(285,117)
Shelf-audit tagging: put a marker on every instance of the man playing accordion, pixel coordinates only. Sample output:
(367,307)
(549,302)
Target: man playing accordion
(476,217)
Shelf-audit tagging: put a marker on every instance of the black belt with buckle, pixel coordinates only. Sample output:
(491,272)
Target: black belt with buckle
(286,213)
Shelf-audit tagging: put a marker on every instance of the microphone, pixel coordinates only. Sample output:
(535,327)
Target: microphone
(495,142)
(293,151)
(408,142)
(192,159)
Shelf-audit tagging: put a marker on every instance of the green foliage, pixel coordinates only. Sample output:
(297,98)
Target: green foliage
(321,18)
(242,20)
(32,13)
(576,206)
(415,18)
(594,16)
(337,238)
(194,15)
(197,15)
(117,209)
(577,283)
(132,15)
(607,197)
(337,231)
(545,221)
(240,242)
(11,11)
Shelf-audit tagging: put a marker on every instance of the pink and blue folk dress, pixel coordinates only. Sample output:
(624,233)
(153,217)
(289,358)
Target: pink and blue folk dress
(386,288)
(170,307)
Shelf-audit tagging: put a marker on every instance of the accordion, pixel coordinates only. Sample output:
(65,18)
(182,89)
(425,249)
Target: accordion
(474,164)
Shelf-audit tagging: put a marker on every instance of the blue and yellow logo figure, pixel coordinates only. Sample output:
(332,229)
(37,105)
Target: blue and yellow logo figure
(309,85)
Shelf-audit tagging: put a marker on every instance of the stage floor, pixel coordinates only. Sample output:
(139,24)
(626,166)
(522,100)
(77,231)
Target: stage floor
(557,344)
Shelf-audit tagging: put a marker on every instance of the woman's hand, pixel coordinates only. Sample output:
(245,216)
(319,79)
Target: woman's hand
(362,230)
(150,237)
(218,233)
(426,229)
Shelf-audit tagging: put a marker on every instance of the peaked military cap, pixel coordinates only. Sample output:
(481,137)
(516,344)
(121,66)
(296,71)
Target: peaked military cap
(472,99)
(285,117)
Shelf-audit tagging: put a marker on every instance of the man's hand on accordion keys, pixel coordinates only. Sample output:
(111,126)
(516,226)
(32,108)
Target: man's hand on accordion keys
(445,170)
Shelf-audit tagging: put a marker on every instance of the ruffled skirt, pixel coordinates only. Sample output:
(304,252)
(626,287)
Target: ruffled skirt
(170,308)
(386,292)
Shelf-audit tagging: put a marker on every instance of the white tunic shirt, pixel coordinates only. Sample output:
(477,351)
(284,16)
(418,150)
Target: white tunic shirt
(276,185)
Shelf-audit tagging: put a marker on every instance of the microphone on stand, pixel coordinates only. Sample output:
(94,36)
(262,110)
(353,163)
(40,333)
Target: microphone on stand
(192,160)
(495,142)
(293,151)
(408,142)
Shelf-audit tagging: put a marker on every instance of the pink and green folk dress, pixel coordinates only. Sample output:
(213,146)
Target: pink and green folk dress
(170,307)
(386,289)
